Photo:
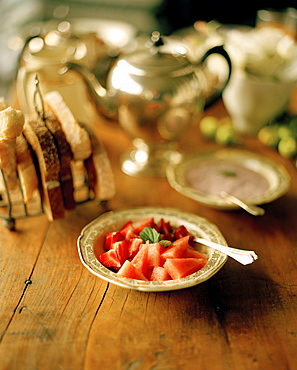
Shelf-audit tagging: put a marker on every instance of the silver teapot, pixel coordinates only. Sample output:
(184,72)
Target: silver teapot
(154,94)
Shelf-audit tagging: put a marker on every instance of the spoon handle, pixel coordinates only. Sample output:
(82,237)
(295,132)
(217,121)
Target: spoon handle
(242,256)
(250,208)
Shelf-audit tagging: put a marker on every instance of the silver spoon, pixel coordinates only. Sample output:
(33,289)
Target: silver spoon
(250,208)
(242,256)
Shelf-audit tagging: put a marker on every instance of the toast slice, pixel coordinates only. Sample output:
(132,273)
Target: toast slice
(43,144)
(76,135)
(11,126)
(99,171)
(26,168)
(65,157)
(8,164)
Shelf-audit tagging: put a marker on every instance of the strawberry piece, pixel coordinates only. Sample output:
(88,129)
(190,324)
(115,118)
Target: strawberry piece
(110,260)
(133,247)
(130,234)
(140,225)
(121,249)
(128,226)
(165,230)
(180,232)
(111,238)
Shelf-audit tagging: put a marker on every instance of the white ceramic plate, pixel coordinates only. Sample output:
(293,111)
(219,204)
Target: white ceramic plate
(114,220)
(248,176)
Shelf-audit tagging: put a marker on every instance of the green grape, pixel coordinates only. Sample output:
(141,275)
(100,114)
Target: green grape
(293,127)
(208,127)
(284,131)
(287,147)
(225,135)
(269,136)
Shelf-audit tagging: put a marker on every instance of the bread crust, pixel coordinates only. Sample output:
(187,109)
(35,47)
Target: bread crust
(65,157)
(100,174)
(42,141)
(26,168)
(8,164)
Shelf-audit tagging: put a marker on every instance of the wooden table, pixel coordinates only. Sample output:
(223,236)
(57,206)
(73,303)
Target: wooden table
(56,315)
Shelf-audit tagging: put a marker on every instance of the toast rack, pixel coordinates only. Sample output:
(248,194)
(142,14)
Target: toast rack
(12,204)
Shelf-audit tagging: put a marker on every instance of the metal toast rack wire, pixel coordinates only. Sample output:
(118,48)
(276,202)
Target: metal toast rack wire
(12,204)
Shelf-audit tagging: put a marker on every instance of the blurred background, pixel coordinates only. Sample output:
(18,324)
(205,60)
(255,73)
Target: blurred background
(19,17)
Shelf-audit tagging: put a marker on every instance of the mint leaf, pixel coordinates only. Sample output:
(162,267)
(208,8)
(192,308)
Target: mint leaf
(228,173)
(150,234)
(165,243)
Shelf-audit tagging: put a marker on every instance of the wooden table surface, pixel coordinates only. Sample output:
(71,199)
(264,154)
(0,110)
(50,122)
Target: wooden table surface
(56,315)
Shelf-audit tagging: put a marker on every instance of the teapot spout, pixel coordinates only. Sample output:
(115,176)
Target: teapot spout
(104,102)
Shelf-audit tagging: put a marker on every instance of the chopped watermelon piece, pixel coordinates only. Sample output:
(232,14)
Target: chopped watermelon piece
(140,261)
(180,267)
(182,242)
(193,253)
(128,270)
(133,246)
(111,238)
(110,260)
(155,257)
(140,225)
(177,248)
(159,274)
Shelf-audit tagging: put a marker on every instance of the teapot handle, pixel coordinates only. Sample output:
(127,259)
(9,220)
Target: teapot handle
(217,94)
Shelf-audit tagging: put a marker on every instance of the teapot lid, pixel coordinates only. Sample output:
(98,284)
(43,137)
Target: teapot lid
(159,59)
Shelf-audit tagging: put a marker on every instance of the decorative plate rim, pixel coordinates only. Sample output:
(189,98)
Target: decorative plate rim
(199,226)
(279,179)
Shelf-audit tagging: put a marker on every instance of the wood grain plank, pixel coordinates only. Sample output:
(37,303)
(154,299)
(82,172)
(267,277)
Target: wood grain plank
(19,252)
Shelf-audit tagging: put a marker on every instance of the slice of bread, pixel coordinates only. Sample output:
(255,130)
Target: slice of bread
(65,157)
(76,135)
(11,123)
(43,144)
(26,168)
(100,174)
(11,126)
(8,164)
